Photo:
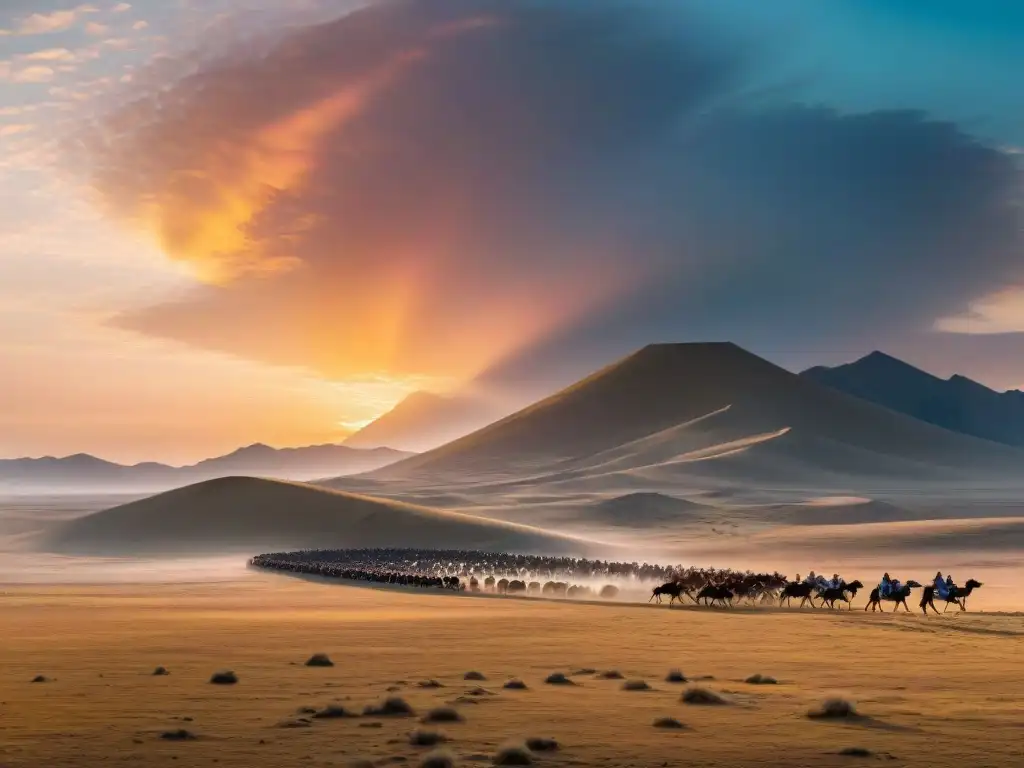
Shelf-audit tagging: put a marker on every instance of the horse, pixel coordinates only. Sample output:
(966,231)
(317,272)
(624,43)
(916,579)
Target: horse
(712,594)
(899,597)
(956,595)
(800,589)
(673,589)
(830,595)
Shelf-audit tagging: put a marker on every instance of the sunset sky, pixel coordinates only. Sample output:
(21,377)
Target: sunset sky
(224,222)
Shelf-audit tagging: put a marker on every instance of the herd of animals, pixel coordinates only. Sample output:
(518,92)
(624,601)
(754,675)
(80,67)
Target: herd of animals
(537,575)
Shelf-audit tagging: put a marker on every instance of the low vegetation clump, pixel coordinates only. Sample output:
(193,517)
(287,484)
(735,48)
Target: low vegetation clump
(299,722)
(760,679)
(558,678)
(675,676)
(442,715)
(430,684)
(515,685)
(473,676)
(513,755)
(702,696)
(855,752)
(40,679)
(635,685)
(225,677)
(392,706)
(426,738)
(319,660)
(541,744)
(668,722)
(440,758)
(160,672)
(179,735)
(610,674)
(833,709)
(332,712)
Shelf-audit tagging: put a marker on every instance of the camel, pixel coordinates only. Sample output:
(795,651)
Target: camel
(712,594)
(957,595)
(800,589)
(672,589)
(899,597)
(832,594)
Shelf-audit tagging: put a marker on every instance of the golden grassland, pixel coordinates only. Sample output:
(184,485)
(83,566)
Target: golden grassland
(942,691)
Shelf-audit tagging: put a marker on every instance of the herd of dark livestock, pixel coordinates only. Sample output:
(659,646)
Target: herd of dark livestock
(536,575)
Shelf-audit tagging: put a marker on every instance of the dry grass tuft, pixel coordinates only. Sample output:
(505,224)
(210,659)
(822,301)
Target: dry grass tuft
(635,685)
(834,709)
(611,674)
(332,712)
(513,754)
(440,758)
(515,685)
(760,679)
(668,722)
(675,676)
(702,696)
(442,715)
(558,678)
(855,752)
(430,684)
(426,738)
(541,744)
(226,677)
(473,676)
(319,660)
(40,679)
(392,706)
(179,735)
(160,672)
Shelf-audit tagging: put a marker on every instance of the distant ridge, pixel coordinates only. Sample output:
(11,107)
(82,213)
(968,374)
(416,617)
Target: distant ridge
(957,403)
(756,407)
(84,472)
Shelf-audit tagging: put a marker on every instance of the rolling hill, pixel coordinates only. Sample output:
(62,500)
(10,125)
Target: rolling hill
(239,514)
(957,403)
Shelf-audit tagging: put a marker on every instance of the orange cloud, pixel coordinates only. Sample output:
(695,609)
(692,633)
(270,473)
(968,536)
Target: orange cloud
(349,211)
(202,214)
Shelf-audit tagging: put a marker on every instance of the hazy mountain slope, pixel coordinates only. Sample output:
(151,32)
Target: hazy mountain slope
(425,420)
(739,405)
(957,403)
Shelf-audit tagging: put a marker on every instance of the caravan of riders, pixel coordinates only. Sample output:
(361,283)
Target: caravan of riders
(539,575)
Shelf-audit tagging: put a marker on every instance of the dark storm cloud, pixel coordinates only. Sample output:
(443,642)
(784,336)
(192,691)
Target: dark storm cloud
(448,186)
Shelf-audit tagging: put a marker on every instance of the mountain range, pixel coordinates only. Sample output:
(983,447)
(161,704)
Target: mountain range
(83,472)
(696,410)
(957,403)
